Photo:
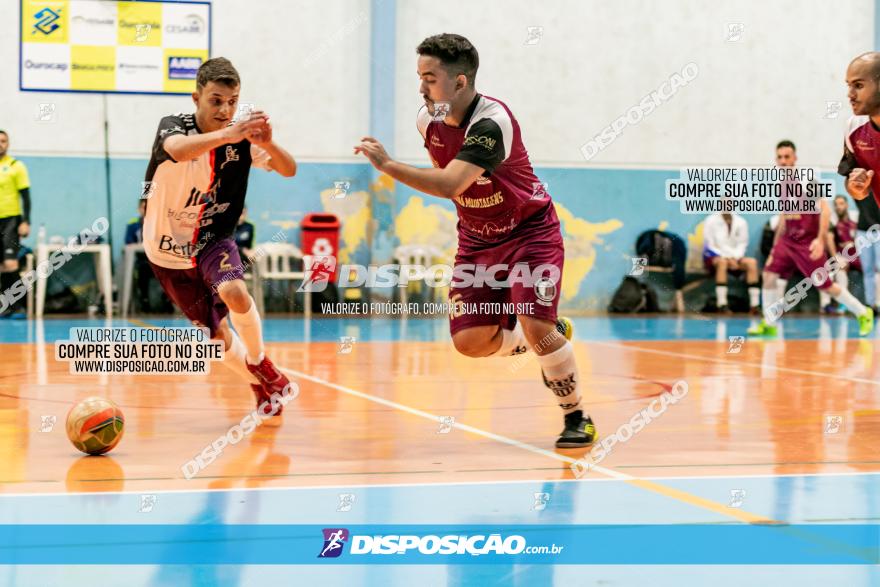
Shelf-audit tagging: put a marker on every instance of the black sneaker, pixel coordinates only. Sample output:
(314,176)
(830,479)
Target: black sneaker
(579,431)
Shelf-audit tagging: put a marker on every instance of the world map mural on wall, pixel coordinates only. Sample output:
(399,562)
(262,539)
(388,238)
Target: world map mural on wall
(433,224)
(422,221)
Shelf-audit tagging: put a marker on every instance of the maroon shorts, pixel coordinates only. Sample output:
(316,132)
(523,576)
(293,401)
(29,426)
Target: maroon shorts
(789,255)
(538,245)
(194,290)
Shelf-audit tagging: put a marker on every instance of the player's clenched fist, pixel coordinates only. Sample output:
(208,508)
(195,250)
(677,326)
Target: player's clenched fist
(248,127)
(859,183)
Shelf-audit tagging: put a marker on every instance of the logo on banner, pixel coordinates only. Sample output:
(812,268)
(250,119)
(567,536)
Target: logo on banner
(194,24)
(46,21)
(334,540)
(183,67)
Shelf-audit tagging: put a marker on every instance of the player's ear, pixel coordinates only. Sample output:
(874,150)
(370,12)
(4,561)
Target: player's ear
(195,96)
(460,82)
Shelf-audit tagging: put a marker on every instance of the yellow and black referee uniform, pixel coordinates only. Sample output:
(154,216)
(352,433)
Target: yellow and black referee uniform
(15,204)
(15,208)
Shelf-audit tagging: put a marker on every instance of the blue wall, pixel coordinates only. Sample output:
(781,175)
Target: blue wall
(69,193)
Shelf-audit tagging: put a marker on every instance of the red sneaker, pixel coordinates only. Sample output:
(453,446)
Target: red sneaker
(264,401)
(259,393)
(272,379)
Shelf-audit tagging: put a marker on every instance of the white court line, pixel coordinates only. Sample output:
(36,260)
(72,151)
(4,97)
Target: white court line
(734,363)
(460,426)
(437,484)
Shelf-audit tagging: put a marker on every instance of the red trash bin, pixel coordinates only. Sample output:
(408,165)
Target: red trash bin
(320,236)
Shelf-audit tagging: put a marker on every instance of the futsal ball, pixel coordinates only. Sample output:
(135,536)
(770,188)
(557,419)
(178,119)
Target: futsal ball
(95,425)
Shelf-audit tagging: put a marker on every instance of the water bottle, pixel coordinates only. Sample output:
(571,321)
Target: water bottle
(41,235)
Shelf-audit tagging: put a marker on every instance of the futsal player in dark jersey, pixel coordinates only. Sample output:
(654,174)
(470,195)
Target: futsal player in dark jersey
(505,216)
(800,244)
(196,181)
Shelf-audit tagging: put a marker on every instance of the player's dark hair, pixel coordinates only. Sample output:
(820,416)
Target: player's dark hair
(219,70)
(786,143)
(3,132)
(455,52)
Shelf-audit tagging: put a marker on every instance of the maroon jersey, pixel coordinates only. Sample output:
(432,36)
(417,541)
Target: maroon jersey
(862,149)
(801,228)
(844,231)
(508,194)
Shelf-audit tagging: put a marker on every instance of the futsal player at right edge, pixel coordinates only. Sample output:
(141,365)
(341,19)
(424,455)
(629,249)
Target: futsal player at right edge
(481,164)
(861,146)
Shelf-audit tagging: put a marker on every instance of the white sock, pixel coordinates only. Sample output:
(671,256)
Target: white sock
(513,342)
(250,329)
(824,298)
(851,303)
(234,358)
(769,296)
(842,279)
(754,296)
(781,286)
(561,376)
(721,295)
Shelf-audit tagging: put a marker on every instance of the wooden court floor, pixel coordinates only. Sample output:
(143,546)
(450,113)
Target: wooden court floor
(381,414)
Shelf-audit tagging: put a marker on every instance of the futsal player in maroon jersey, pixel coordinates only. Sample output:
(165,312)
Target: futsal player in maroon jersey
(800,245)
(842,234)
(861,145)
(505,217)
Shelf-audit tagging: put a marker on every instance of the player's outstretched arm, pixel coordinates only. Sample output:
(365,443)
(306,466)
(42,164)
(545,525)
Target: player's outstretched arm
(187,147)
(448,182)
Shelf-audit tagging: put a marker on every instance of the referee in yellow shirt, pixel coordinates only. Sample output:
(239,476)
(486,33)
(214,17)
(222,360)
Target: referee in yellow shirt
(15,212)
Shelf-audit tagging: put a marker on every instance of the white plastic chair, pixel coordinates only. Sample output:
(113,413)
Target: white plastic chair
(275,262)
(415,254)
(131,250)
(28,267)
(102,271)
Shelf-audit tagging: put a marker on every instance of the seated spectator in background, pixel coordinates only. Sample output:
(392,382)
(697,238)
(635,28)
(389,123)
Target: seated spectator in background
(134,230)
(841,232)
(869,256)
(134,234)
(668,250)
(726,238)
(244,236)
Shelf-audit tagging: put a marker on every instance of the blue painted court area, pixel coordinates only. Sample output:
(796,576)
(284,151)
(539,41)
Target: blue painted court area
(791,499)
(378,329)
(827,519)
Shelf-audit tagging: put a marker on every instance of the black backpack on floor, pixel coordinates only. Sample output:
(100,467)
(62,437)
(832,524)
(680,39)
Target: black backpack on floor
(632,297)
